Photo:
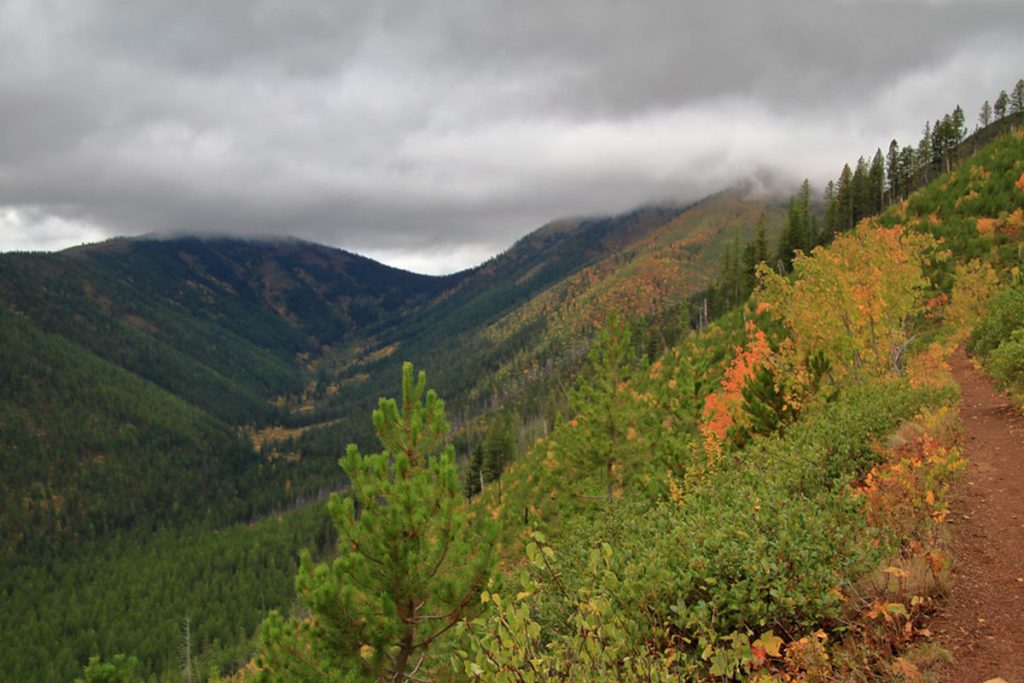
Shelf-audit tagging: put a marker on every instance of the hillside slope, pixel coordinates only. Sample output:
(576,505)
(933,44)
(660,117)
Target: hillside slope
(515,329)
(134,371)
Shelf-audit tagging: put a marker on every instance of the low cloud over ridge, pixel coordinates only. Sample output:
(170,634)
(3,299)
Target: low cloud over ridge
(433,136)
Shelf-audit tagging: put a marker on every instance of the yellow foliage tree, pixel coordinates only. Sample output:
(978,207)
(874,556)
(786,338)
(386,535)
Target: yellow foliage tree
(975,282)
(852,299)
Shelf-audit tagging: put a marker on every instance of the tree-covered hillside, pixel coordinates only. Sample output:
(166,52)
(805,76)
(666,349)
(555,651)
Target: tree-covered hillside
(765,500)
(90,449)
(152,386)
(517,327)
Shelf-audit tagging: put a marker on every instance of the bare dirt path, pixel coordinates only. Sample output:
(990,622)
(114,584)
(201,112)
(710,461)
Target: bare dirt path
(982,623)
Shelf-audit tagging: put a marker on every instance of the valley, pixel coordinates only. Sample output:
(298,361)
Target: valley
(721,400)
(192,385)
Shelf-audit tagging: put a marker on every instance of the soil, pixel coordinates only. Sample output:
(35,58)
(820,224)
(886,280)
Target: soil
(982,622)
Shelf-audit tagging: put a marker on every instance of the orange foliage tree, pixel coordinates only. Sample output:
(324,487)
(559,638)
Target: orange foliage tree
(723,408)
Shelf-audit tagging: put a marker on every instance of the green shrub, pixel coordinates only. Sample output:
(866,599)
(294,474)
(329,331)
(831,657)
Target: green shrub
(1006,362)
(766,543)
(1003,315)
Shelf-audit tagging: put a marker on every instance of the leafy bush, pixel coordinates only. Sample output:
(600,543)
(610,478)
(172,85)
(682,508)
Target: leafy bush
(998,338)
(765,543)
(1006,362)
(1003,315)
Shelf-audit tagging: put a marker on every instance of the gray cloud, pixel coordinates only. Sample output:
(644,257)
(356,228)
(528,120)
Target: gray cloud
(434,134)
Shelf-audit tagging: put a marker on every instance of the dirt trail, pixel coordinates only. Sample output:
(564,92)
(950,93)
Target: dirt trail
(982,622)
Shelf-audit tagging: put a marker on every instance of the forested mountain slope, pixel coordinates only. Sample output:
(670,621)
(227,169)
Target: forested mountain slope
(156,385)
(132,364)
(765,500)
(218,322)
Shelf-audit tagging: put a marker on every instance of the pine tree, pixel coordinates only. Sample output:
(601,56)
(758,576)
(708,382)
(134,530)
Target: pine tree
(924,153)
(474,480)
(892,165)
(1002,103)
(755,252)
(794,235)
(810,227)
(408,566)
(120,669)
(801,228)
(1017,98)
(761,239)
(813,231)
(844,198)
(957,126)
(861,191)
(498,447)
(748,267)
(905,167)
(831,214)
(876,175)
(943,140)
(603,406)
(985,115)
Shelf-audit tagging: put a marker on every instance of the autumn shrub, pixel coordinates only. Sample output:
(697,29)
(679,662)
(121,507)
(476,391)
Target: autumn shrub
(908,491)
(763,547)
(906,500)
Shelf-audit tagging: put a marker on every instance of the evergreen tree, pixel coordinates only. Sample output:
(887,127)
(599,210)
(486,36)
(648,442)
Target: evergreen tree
(120,669)
(892,166)
(474,481)
(1001,105)
(958,129)
(408,567)
(813,231)
(924,153)
(831,213)
(754,253)
(499,446)
(730,282)
(810,228)
(942,141)
(876,176)
(604,414)
(796,235)
(1017,98)
(905,167)
(861,191)
(844,198)
(790,239)
(985,115)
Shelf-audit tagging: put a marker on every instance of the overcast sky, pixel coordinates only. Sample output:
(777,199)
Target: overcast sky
(431,135)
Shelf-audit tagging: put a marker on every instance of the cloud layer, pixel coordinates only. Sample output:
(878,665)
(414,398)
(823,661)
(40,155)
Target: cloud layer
(431,135)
